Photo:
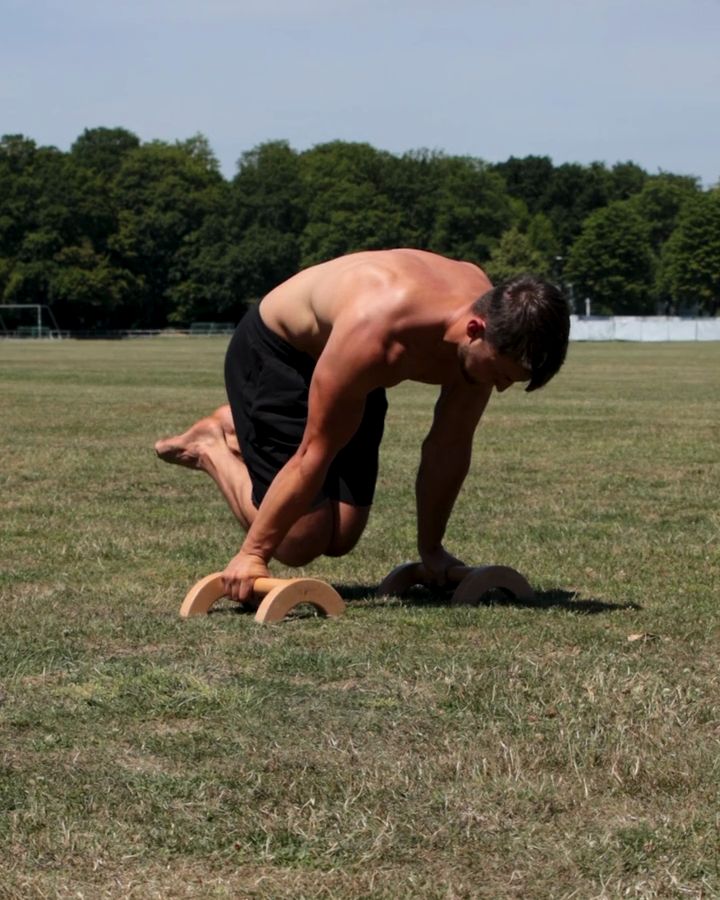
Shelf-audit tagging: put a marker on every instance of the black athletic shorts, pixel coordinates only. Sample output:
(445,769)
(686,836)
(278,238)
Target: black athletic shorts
(267,383)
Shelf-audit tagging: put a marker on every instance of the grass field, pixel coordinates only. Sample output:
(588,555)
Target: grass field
(409,748)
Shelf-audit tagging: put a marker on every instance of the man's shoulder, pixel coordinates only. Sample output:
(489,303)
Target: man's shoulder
(405,263)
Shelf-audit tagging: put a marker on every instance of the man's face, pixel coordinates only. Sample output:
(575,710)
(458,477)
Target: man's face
(480,362)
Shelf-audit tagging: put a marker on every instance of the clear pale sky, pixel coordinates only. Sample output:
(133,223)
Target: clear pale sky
(577,80)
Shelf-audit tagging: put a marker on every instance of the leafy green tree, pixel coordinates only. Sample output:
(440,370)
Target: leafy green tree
(528,178)
(348,203)
(625,180)
(566,194)
(46,205)
(412,182)
(573,192)
(97,157)
(248,241)
(88,288)
(690,261)
(116,233)
(162,195)
(267,217)
(219,276)
(207,274)
(6,267)
(660,202)
(612,261)
(543,239)
(21,191)
(513,255)
(268,188)
(472,209)
(198,148)
(103,150)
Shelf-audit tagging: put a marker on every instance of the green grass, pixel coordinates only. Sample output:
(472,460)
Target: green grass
(409,748)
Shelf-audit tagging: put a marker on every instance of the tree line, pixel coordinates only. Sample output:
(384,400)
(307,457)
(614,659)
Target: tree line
(117,233)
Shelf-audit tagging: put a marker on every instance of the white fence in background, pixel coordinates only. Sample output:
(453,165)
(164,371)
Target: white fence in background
(643,328)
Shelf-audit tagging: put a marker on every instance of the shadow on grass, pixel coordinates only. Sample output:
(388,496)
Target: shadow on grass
(229,607)
(555,598)
(364,595)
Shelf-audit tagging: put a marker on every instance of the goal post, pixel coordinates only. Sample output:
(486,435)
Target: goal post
(28,320)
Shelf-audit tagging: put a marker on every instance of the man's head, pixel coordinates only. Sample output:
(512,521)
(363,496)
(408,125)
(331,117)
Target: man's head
(526,323)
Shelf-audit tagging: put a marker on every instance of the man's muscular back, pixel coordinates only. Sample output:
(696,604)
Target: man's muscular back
(409,296)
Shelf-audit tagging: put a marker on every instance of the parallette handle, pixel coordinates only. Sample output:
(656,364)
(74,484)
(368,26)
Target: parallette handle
(453,574)
(457,573)
(265,585)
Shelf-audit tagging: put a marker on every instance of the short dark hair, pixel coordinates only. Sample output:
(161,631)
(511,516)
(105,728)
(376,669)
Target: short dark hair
(528,319)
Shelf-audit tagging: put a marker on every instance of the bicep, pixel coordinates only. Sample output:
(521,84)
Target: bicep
(344,376)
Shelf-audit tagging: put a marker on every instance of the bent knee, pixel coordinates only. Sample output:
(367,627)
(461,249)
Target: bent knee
(333,529)
(295,557)
(349,524)
(297,552)
(307,539)
(301,550)
(342,544)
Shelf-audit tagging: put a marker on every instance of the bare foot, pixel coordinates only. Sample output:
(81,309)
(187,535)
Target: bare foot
(223,415)
(191,448)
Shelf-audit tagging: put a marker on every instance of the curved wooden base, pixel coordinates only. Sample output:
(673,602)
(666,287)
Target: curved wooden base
(482,579)
(202,595)
(472,581)
(401,579)
(280,596)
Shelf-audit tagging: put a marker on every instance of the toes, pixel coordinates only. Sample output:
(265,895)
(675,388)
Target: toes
(165,448)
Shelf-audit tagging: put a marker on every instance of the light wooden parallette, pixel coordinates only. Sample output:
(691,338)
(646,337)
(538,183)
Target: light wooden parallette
(472,582)
(280,595)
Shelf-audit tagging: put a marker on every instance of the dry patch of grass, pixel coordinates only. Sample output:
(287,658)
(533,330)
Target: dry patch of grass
(409,748)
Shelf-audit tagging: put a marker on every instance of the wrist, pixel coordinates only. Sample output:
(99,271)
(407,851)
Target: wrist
(255,552)
(429,550)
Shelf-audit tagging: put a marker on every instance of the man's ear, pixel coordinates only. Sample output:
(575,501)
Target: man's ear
(476,328)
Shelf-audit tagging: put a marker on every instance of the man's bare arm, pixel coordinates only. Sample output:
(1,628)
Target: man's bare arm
(349,368)
(444,464)
(334,414)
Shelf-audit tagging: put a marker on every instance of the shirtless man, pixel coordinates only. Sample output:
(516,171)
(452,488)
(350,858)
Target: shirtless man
(295,452)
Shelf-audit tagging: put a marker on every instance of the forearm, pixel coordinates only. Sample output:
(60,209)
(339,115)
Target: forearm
(440,476)
(289,497)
